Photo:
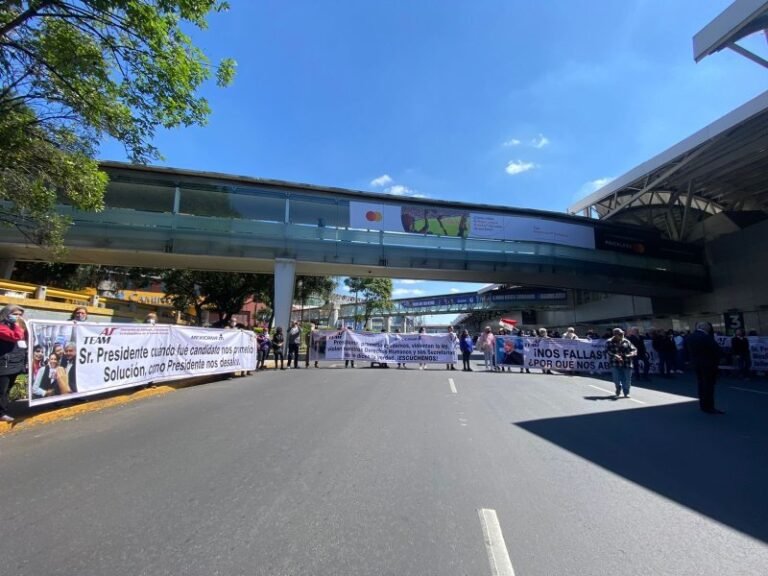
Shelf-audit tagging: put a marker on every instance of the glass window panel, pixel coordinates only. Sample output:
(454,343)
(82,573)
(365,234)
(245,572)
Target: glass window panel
(318,212)
(252,204)
(223,203)
(146,197)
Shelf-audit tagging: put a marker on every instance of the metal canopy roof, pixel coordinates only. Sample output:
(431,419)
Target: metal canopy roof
(740,19)
(723,167)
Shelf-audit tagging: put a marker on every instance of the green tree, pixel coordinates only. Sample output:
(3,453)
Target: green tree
(78,277)
(356,285)
(222,292)
(376,294)
(75,71)
(309,286)
(378,297)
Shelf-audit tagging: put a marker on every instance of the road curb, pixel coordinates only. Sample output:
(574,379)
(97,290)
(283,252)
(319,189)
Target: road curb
(74,410)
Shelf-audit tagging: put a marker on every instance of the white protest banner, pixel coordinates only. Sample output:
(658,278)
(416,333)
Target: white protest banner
(758,349)
(553,354)
(382,347)
(758,352)
(102,357)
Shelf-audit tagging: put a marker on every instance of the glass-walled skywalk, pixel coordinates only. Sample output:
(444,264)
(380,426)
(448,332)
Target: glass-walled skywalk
(163,217)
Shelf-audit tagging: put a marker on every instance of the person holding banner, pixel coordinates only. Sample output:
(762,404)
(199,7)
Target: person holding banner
(79,314)
(544,335)
(13,353)
(422,365)
(620,352)
(454,345)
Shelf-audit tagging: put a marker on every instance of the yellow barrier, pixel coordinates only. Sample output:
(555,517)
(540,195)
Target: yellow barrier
(58,300)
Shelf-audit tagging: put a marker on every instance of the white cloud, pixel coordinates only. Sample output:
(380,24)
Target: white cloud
(402,292)
(455,290)
(595,185)
(409,281)
(400,190)
(511,142)
(519,166)
(592,186)
(382,180)
(540,141)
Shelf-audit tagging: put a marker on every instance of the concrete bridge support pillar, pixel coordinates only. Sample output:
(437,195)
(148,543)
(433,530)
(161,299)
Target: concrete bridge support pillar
(285,278)
(388,323)
(6,269)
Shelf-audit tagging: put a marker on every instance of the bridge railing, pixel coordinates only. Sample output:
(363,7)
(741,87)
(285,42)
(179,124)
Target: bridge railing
(285,234)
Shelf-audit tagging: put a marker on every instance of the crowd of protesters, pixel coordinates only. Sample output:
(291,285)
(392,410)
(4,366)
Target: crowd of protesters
(53,372)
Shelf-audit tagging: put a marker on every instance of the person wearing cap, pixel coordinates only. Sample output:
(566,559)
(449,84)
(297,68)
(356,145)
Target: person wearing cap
(620,352)
(13,353)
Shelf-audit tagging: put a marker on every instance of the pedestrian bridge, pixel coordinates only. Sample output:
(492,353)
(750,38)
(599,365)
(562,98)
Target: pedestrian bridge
(164,218)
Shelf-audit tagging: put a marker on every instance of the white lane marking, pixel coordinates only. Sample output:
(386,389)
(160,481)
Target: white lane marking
(749,390)
(453,386)
(494,544)
(610,392)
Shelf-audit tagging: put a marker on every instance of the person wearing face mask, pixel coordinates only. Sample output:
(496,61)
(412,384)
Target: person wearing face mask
(13,353)
(151,318)
(79,314)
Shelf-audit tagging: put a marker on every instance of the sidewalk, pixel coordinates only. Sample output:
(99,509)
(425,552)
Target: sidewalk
(27,417)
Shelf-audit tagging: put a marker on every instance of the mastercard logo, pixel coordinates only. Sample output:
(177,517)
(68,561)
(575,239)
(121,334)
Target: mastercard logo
(373,216)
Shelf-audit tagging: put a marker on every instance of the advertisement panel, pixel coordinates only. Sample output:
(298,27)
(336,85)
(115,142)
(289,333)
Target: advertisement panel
(528,229)
(87,358)
(464,224)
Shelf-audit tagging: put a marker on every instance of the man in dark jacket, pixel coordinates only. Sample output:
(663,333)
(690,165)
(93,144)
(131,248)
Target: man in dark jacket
(642,354)
(704,354)
(741,352)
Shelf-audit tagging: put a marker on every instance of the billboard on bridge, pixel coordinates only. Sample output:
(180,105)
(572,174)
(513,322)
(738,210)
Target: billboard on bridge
(465,224)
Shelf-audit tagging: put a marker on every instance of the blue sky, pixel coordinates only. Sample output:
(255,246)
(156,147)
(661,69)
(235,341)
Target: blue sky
(505,102)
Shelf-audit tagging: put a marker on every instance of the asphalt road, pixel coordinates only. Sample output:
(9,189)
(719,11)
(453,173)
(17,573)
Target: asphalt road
(377,472)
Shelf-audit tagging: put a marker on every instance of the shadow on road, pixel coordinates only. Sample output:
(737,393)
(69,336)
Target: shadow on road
(715,465)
